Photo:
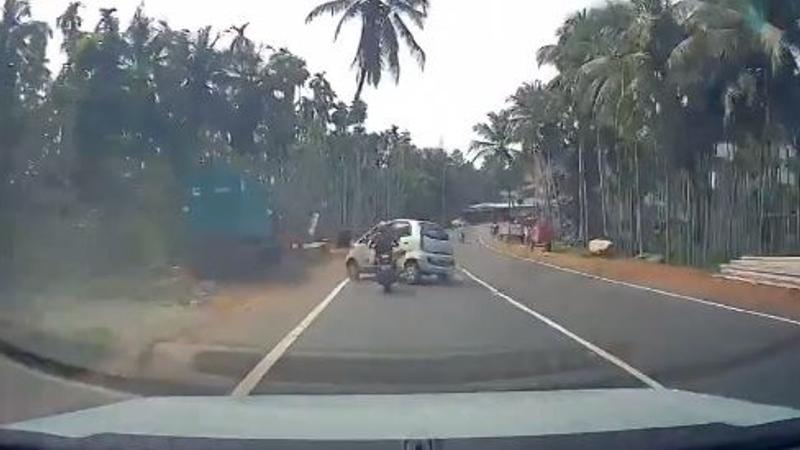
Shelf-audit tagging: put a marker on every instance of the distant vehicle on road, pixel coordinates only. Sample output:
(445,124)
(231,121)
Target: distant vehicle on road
(458,223)
(426,246)
(511,232)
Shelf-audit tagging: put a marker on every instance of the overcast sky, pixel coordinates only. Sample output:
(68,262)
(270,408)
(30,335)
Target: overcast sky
(478,53)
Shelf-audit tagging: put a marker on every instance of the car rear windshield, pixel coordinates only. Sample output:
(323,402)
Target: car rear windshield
(434,231)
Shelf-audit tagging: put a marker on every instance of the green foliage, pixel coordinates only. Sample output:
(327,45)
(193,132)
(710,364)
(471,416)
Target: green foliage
(383,27)
(95,161)
(671,127)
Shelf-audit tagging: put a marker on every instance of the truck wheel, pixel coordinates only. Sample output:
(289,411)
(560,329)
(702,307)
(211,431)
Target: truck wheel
(353,271)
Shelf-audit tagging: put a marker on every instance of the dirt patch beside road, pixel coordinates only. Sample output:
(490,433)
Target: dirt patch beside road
(680,280)
(158,342)
(242,322)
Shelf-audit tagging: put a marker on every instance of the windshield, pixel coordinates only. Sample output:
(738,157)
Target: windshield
(399,197)
(433,231)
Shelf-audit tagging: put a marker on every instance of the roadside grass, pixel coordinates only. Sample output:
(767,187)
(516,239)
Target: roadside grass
(135,286)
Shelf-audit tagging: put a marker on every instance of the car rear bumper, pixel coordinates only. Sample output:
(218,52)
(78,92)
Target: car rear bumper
(436,264)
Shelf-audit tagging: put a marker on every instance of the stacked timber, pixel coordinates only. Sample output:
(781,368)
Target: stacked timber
(779,271)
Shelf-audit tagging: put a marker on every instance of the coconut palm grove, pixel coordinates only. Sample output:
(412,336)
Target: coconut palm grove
(670,127)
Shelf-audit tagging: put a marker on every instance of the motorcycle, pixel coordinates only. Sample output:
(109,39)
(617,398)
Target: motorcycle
(387,272)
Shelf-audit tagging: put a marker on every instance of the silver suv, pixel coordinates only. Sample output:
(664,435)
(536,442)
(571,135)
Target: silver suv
(427,247)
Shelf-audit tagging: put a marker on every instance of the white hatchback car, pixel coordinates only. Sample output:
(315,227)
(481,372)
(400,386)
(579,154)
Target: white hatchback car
(426,246)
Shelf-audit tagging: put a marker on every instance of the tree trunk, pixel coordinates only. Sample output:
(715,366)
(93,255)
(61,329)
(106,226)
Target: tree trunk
(582,200)
(761,200)
(444,193)
(358,197)
(797,204)
(667,219)
(601,178)
(552,195)
(729,249)
(631,206)
(586,234)
(765,149)
(637,187)
(689,221)
(362,78)
(401,187)
(344,219)
(620,200)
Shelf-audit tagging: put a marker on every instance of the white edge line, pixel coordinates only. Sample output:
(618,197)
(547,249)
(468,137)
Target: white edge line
(257,374)
(653,384)
(646,288)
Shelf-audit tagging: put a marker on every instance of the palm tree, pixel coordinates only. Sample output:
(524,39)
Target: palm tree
(608,86)
(383,26)
(284,73)
(536,115)
(495,137)
(70,23)
(495,143)
(317,110)
(742,48)
(723,33)
(23,75)
(22,59)
(144,56)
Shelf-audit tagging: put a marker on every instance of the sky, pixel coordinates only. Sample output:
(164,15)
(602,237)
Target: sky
(478,53)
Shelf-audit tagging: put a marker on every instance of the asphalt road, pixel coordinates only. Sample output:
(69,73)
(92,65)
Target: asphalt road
(506,324)
(26,394)
(679,343)
(549,329)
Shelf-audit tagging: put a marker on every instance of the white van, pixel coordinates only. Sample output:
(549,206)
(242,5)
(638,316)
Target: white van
(427,247)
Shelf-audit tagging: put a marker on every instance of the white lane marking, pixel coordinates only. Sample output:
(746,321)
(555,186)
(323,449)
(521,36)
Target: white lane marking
(645,288)
(558,327)
(251,380)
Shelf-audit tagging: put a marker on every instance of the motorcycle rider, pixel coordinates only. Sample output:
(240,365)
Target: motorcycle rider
(384,241)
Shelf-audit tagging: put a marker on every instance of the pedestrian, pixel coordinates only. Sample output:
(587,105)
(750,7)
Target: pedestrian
(525,234)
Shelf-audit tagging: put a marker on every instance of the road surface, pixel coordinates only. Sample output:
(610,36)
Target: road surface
(26,393)
(511,324)
(507,324)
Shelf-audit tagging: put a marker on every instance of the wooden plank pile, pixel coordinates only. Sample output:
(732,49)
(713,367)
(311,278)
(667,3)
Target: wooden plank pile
(779,271)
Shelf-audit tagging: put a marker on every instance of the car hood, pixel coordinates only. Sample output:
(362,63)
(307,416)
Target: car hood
(418,416)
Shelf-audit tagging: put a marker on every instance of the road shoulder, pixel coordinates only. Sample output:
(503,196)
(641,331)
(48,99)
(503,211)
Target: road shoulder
(151,348)
(672,280)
